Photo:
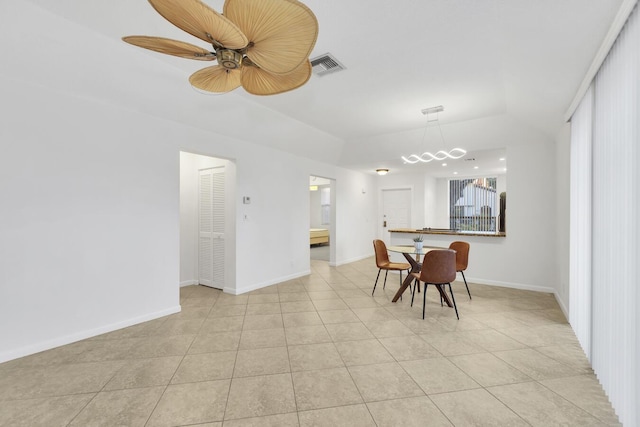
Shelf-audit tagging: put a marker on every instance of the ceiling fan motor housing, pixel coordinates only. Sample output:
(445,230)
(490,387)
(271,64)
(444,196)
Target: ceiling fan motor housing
(229,59)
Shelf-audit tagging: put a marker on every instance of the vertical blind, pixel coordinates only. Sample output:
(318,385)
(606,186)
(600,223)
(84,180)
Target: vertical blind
(580,221)
(615,216)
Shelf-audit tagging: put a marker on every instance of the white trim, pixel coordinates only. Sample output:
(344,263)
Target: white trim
(236,291)
(522,286)
(68,339)
(188,283)
(350,260)
(614,30)
(563,307)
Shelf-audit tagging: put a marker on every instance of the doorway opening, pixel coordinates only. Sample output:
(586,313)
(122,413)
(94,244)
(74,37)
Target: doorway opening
(322,219)
(207,221)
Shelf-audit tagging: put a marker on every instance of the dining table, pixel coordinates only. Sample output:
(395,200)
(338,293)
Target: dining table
(413,257)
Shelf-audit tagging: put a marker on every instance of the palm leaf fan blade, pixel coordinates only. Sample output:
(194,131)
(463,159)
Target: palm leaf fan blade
(199,20)
(257,81)
(282,32)
(216,79)
(170,47)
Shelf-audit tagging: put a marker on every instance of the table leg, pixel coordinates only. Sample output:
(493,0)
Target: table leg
(415,268)
(444,295)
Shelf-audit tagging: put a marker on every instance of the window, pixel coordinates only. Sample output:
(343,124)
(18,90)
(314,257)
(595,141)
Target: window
(472,204)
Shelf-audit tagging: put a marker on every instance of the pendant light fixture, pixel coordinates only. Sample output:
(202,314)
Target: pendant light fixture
(426,157)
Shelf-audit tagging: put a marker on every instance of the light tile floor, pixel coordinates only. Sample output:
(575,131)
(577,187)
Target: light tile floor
(319,351)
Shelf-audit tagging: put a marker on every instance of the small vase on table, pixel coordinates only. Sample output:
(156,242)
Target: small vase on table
(417,243)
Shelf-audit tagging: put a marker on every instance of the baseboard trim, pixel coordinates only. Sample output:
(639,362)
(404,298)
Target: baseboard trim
(255,286)
(68,339)
(523,286)
(188,283)
(563,307)
(347,261)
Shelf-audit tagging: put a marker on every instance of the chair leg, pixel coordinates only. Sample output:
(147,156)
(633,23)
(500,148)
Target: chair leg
(417,282)
(413,294)
(424,300)
(374,285)
(385,279)
(454,301)
(465,283)
(417,285)
(401,283)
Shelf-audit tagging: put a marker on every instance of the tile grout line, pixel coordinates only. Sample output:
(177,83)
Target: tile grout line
(235,362)
(178,366)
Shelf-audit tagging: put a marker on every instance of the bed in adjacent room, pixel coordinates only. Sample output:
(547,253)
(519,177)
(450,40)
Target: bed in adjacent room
(318,236)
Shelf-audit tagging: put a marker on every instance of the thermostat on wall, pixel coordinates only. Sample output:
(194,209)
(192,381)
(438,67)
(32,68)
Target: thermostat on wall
(246,200)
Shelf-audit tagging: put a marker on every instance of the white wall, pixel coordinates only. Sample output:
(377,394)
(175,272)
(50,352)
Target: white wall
(89,193)
(441,209)
(315,207)
(527,257)
(430,202)
(89,229)
(315,213)
(90,217)
(356,203)
(562,187)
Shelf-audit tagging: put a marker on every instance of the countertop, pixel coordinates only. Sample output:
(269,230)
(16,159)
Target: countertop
(446,232)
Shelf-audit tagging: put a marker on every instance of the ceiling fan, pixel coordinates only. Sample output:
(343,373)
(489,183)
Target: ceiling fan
(261,45)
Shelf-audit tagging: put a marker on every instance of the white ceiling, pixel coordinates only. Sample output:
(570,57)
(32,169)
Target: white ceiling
(495,65)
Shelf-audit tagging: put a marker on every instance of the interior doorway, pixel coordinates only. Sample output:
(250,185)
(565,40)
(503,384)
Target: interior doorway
(321,219)
(207,221)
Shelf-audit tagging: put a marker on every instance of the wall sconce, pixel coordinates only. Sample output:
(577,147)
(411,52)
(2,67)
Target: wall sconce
(382,171)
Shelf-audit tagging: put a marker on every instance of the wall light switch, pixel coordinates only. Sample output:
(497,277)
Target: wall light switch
(246,200)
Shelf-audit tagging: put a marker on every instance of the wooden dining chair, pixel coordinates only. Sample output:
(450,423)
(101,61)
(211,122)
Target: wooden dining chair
(383,263)
(438,268)
(462,259)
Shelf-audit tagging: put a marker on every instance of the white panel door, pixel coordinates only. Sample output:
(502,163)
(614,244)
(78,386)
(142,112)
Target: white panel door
(211,223)
(396,211)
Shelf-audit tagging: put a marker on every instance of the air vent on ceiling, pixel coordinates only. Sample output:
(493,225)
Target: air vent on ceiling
(325,64)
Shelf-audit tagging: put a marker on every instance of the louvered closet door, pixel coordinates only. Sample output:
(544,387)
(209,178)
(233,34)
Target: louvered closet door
(211,228)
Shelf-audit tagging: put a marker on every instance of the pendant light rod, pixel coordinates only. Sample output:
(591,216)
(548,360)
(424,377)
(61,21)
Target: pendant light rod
(427,157)
(433,110)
